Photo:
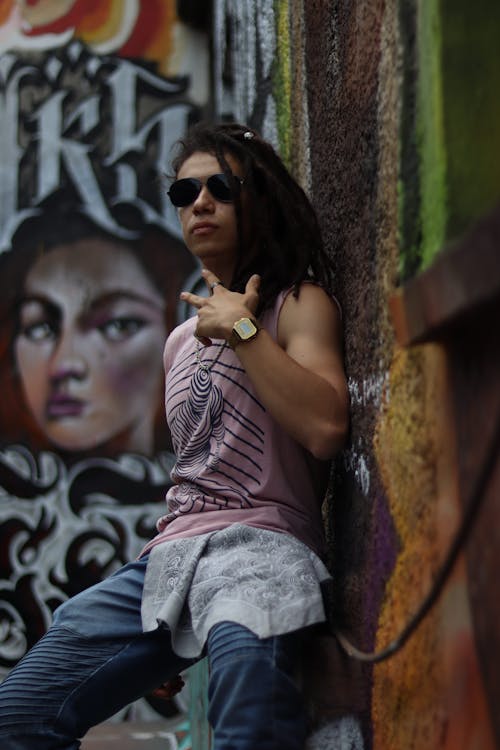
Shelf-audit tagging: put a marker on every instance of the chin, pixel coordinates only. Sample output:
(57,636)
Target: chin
(127,440)
(78,443)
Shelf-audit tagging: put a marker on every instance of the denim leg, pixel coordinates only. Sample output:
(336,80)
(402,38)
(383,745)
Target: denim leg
(94,660)
(254,701)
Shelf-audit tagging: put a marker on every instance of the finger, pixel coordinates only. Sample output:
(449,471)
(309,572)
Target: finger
(193,299)
(252,292)
(204,340)
(170,688)
(253,284)
(211,280)
(214,285)
(176,683)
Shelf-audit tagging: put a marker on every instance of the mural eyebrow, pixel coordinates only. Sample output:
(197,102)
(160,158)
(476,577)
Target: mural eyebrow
(117,295)
(48,304)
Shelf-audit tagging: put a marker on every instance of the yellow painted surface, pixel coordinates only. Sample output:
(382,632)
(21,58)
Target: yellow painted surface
(410,684)
(430,695)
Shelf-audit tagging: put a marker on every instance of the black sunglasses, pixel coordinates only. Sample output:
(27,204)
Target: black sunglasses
(184,192)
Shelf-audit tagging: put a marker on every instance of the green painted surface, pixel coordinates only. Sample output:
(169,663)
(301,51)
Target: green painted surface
(471,86)
(282,78)
(430,134)
(198,691)
(455,132)
(408,184)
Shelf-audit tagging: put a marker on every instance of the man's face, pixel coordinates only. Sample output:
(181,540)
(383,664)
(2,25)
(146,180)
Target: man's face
(209,225)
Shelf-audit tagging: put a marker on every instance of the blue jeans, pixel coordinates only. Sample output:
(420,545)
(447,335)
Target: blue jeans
(95,659)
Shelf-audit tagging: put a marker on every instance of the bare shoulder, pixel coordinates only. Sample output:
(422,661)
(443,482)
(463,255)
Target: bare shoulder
(310,332)
(313,313)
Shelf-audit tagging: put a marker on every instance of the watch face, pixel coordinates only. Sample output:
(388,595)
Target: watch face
(245,328)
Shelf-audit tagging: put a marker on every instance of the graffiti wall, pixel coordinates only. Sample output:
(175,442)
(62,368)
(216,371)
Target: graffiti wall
(372,105)
(257,79)
(93,96)
(386,112)
(384,174)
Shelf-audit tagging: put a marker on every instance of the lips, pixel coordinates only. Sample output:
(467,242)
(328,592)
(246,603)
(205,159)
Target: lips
(59,406)
(203,227)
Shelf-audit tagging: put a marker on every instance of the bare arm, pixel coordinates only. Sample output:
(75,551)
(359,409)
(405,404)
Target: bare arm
(299,379)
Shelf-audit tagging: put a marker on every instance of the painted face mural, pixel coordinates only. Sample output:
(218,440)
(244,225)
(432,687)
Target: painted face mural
(88,348)
(93,97)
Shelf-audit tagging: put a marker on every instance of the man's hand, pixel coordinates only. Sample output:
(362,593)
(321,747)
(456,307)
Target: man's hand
(169,689)
(218,312)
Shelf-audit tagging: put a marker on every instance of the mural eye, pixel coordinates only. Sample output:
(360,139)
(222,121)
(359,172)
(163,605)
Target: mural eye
(118,329)
(42,331)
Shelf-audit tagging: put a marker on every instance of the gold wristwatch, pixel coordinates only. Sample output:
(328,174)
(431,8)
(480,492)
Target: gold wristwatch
(245,329)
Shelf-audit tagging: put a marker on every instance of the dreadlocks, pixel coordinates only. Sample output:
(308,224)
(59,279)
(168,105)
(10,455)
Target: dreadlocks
(286,245)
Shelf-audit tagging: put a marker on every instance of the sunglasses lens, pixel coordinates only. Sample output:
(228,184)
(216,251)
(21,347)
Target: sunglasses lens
(183,192)
(219,187)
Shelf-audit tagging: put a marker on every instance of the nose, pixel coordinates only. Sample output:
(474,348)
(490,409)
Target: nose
(204,201)
(67,360)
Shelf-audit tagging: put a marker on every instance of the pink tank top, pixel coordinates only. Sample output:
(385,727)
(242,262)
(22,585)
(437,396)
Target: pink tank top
(235,464)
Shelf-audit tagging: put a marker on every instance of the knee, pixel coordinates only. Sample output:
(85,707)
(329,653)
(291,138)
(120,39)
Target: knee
(15,714)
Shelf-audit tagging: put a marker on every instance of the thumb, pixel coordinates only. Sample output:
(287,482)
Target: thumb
(252,292)
(253,284)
